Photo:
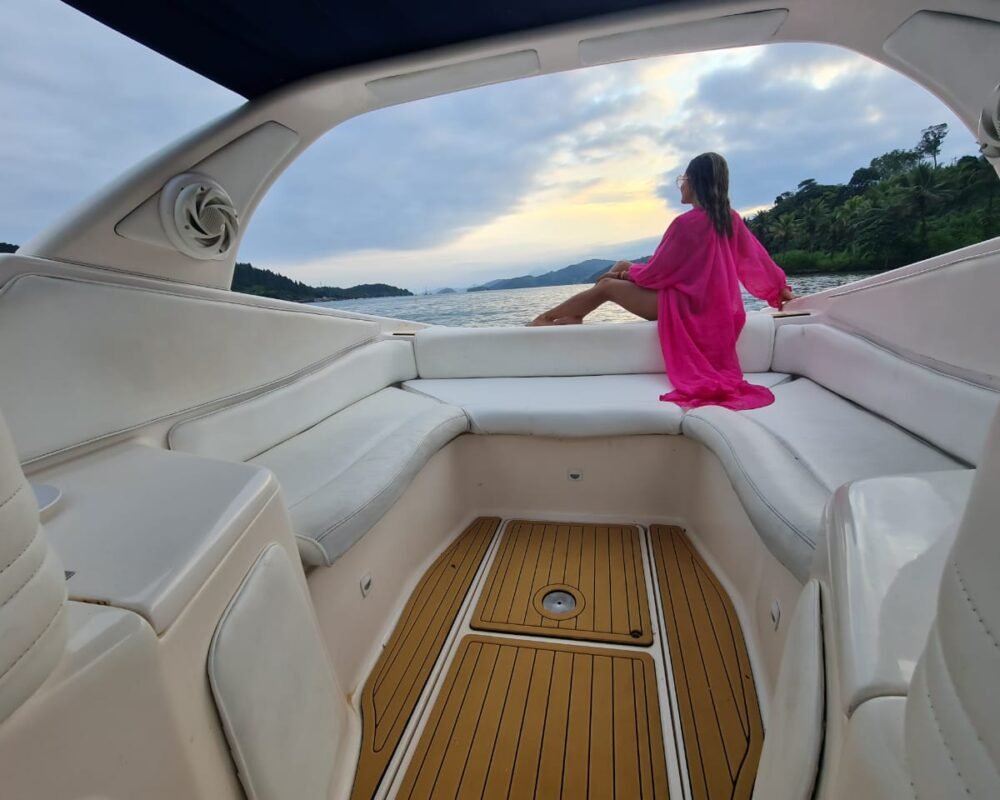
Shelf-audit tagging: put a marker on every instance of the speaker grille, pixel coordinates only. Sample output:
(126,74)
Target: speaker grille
(199,217)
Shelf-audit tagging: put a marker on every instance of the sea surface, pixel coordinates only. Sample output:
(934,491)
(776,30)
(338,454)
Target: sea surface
(518,306)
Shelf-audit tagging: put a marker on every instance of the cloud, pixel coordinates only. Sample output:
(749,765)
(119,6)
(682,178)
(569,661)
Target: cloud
(83,104)
(803,111)
(416,175)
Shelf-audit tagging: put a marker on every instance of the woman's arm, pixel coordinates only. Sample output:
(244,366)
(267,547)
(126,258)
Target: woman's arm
(667,262)
(756,269)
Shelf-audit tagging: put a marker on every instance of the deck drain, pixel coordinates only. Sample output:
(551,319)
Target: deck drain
(558,601)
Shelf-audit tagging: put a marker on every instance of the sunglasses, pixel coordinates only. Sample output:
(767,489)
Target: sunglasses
(680,180)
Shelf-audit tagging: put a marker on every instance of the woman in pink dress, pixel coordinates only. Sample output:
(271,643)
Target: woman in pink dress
(691,286)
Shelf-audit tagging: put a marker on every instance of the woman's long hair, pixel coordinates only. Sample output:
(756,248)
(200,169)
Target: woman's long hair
(708,175)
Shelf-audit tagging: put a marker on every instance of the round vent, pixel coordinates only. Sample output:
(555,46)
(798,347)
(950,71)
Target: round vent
(989,127)
(199,217)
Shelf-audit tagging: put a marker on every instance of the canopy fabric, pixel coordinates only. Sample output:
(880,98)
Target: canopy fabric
(253,46)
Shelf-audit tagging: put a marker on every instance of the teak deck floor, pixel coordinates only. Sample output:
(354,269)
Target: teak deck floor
(521,719)
(600,565)
(393,688)
(720,718)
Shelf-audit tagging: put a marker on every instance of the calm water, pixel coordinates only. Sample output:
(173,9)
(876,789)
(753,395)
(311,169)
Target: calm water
(519,306)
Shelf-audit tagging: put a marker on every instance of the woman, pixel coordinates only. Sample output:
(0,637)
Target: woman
(691,287)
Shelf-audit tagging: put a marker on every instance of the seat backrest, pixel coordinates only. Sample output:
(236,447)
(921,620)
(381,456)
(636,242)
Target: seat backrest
(244,430)
(953,706)
(951,413)
(32,588)
(138,355)
(558,351)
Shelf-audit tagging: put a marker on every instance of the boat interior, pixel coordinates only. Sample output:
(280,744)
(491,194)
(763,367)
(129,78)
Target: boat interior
(251,548)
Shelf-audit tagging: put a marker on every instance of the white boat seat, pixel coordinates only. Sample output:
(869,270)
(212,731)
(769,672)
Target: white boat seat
(343,474)
(888,541)
(343,444)
(32,588)
(560,351)
(571,381)
(571,406)
(785,460)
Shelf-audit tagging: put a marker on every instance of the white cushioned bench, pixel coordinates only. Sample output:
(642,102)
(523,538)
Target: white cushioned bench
(841,421)
(591,380)
(342,441)
(836,416)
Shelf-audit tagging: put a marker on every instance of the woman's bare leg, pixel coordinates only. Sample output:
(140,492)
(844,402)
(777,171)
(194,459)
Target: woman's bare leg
(641,302)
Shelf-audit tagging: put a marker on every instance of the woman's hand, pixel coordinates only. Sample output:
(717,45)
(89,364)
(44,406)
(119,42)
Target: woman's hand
(784,297)
(619,271)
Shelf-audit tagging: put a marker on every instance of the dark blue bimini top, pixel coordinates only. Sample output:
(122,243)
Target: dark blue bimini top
(255,46)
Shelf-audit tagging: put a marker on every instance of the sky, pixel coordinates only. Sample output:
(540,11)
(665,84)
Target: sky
(455,190)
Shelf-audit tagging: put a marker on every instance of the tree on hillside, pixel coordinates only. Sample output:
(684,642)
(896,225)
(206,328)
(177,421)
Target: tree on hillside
(895,162)
(784,231)
(863,179)
(977,176)
(923,189)
(931,139)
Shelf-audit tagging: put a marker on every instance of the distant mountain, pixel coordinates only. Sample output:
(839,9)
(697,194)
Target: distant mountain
(7,247)
(574,273)
(593,278)
(445,291)
(585,272)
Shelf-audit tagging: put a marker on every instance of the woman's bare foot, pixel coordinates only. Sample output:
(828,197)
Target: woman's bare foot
(569,321)
(541,320)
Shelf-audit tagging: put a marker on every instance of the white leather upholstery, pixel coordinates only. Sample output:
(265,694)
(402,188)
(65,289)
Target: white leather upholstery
(614,349)
(282,711)
(950,413)
(244,430)
(132,356)
(953,708)
(784,502)
(32,589)
(837,441)
(873,761)
(340,476)
(790,759)
(169,519)
(784,460)
(888,540)
(585,405)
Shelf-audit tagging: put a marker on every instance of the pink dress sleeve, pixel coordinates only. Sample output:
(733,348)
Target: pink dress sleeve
(755,268)
(667,265)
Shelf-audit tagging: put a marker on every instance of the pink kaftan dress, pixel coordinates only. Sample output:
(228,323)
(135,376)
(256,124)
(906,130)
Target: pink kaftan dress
(697,273)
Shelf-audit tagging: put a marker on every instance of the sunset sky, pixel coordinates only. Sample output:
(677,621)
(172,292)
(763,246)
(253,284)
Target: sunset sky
(455,190)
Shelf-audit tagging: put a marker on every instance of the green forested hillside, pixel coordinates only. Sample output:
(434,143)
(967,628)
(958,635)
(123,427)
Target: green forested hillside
(903,207)
(252,280)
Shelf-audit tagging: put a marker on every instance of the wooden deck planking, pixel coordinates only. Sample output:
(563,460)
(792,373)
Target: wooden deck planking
(602,562)
(574,722)
(399,676)
(717,700)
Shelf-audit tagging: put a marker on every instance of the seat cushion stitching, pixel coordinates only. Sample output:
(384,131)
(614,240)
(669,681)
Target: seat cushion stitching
(753,485)
(387,485)
(35,641)
(24,550)
(385,435)
(20,588)
(972,605)
(944,741)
